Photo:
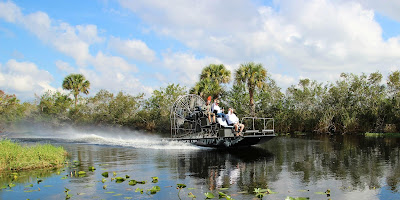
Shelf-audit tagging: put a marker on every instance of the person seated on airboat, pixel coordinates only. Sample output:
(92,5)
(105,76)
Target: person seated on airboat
(219,112)
(208,110)
(233,120)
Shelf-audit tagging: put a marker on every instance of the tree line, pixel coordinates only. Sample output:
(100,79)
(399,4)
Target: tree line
(352,104)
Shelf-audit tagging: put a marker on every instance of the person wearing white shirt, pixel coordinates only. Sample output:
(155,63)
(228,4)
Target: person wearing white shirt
(232,119)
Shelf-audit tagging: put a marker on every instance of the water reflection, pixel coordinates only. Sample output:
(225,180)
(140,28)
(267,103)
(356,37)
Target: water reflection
(351,167)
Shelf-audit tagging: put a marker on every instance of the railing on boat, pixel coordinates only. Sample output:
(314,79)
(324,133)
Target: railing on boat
(259,125)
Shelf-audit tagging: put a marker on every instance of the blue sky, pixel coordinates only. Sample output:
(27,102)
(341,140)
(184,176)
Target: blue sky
(142,45)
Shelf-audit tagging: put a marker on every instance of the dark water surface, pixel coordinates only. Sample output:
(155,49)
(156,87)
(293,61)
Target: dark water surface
(351,167)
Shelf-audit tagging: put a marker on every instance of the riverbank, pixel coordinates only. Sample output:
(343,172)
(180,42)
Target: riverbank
(13,156)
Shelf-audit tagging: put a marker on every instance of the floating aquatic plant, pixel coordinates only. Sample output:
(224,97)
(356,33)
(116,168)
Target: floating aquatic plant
(92,168)
(154,189)
(155,179)
(297,198)
(191,195)
(119,179)
(139,190)
(132,182)
(105,174)
(209,195)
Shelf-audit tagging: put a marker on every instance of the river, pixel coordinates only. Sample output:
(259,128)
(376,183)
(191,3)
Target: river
(350,167)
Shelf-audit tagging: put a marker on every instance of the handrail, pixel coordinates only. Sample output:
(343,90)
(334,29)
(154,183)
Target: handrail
(265,119)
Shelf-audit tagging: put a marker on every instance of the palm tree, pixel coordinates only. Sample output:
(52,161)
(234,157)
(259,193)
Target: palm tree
(77,83)
(216,73)
(205,88)
(254,75)
(211,78)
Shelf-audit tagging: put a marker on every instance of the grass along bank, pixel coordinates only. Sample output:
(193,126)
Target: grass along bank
(13,156)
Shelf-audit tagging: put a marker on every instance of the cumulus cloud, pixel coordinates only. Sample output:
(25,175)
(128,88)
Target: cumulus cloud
(305,37)
(24,78)
(105,71)
(185,67)
(135,49)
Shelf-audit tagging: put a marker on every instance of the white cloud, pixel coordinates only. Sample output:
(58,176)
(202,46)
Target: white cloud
(305,37)
(389,8)
(103,70)
(24,79)
(9,11)
(135,49)
(185,67)
(64,66)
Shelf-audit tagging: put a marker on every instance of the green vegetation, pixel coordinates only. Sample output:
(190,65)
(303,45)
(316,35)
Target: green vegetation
(13,156)
(77,83)
(352,104)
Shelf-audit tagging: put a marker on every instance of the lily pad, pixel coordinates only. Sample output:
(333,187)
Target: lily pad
(103,180)
(11,185)
(209,195)
(111,192)
(132,182)
(31,185)
(92,168)
(180,186)
(139,190)
(29,191)
(155,189)
(126,176)
(105,174)
(119,179)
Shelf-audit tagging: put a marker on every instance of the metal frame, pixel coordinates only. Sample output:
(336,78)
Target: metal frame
(265,123)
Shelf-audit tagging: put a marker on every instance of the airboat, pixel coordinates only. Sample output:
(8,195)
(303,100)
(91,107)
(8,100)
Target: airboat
(189,123)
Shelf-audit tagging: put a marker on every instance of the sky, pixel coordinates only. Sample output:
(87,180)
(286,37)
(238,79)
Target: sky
(138,46)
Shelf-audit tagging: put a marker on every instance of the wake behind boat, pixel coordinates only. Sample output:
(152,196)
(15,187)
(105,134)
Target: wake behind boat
(189,123)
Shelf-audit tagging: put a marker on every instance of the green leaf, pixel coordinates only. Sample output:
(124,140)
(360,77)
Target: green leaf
(126,176)
(209,195)
(92,168)
(221,195)
(223,188)
(128,197)
(141,182)
(180,186)
(119,179)
(29,190)
(105,174)
(155,189)
(139,190)
(103,180)
(81,173)
(116,195)
(114,173)
(64,177)
(3,187)
(31,185)
(11,185)
(111,192)
(319,192)
(132,182)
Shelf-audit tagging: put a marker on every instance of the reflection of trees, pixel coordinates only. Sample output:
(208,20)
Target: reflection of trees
(221,168)
(357,162)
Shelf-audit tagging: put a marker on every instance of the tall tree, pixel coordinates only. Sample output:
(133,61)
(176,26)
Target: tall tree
(77,83)
(254,76)
(210,81)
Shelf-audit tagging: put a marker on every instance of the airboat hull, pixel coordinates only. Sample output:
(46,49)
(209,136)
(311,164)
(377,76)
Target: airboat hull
(228,142)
